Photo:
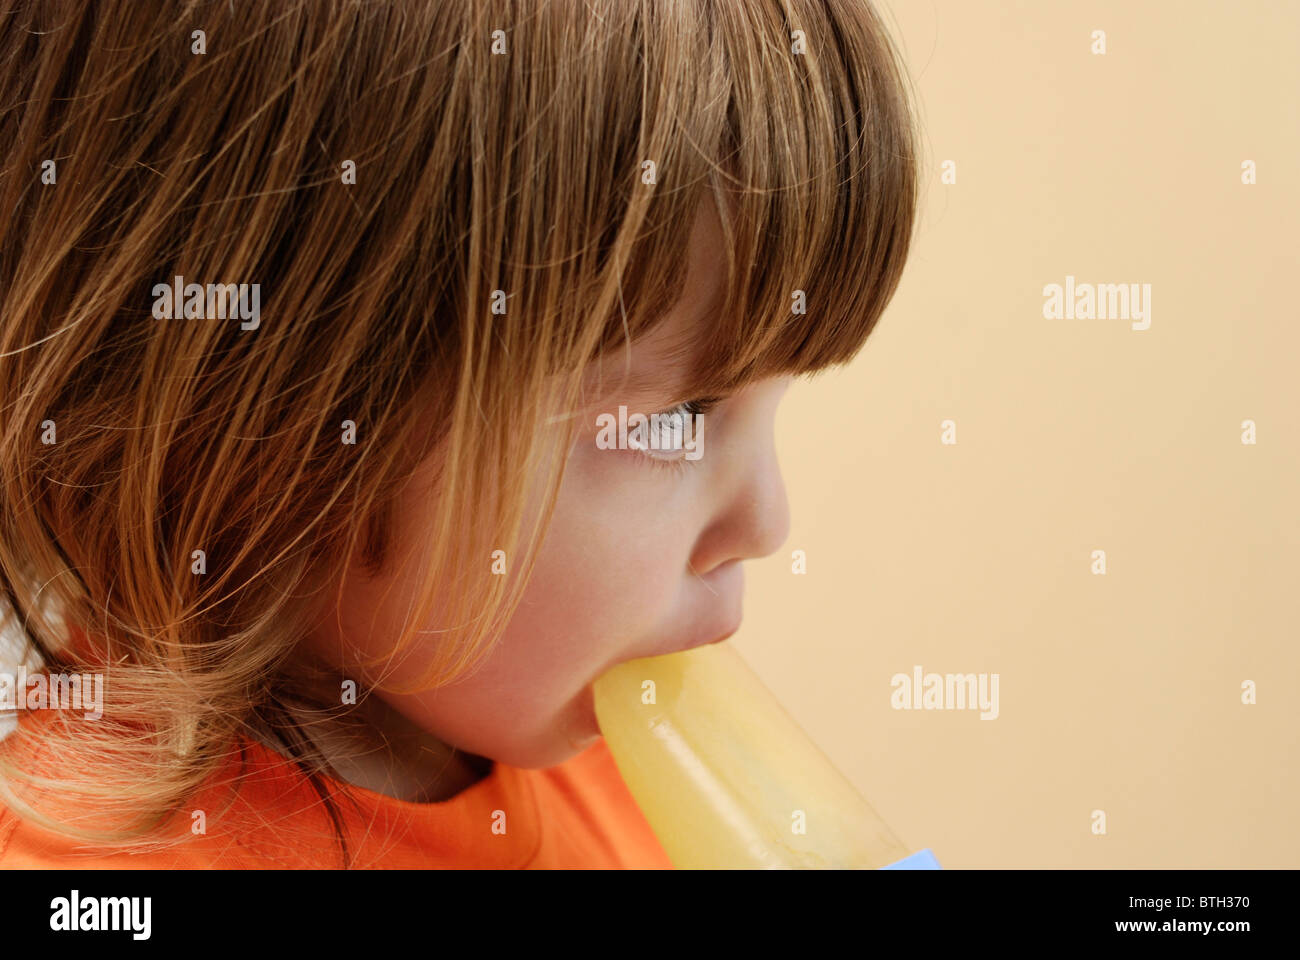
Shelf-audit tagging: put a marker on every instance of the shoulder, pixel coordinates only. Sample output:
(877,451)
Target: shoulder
(8,824)
(25,845)
(257,811)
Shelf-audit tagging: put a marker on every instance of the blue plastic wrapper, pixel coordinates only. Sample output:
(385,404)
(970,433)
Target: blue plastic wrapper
(921,860)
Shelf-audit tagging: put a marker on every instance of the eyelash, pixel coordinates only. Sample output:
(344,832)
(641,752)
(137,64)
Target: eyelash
(699,406)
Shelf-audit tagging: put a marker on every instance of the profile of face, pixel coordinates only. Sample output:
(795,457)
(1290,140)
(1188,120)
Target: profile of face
(643,555)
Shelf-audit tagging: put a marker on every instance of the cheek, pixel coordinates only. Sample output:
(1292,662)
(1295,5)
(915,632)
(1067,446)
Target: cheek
(609,575)
(585,609)
(609,571)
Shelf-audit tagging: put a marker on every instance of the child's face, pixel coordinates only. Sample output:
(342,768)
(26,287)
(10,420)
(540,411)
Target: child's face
(642,558)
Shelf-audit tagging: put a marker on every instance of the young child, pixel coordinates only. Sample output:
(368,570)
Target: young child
(317,321)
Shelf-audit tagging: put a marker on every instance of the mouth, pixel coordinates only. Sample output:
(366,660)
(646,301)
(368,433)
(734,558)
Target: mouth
(726,636)
(590,724)
(587,698)
(724,630)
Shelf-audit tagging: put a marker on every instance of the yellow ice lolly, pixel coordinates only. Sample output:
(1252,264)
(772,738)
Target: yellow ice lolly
(724,775)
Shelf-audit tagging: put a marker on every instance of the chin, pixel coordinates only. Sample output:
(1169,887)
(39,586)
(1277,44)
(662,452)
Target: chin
(574,731)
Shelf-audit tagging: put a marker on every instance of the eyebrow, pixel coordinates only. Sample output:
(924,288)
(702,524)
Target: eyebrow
(653,378)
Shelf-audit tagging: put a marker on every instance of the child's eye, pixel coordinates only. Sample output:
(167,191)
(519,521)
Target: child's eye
(675,440)
(697,407)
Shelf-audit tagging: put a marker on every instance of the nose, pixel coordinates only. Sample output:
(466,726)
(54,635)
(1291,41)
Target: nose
(753,520)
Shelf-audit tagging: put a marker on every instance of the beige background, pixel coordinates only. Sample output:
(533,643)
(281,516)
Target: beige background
(1119,692)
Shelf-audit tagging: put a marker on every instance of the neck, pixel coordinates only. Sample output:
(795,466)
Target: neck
(378,749)
(403,761)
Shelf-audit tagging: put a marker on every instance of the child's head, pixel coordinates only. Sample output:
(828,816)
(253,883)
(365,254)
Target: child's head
(474,229)
(642,552)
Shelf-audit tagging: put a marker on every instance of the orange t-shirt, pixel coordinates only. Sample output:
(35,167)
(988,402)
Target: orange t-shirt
(576,815)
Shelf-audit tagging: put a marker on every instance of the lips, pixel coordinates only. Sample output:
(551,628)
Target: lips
(707,634)
(723,608)
(719,617)
(587,700)
(728,635)
(588,730)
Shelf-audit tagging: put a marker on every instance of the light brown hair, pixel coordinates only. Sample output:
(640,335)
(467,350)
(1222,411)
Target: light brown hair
(522,170)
